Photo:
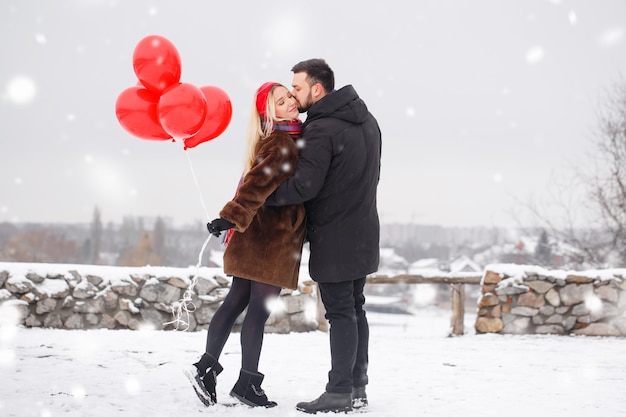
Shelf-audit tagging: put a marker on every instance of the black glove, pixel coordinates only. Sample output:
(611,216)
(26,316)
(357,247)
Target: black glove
(217,226)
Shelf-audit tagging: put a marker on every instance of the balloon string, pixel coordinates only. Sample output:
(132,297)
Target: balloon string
(185,306)
(195,179)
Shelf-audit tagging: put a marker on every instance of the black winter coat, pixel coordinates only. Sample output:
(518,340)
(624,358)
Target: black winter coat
(337,179)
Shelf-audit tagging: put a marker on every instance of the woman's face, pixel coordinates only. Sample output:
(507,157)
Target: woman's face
(285,104)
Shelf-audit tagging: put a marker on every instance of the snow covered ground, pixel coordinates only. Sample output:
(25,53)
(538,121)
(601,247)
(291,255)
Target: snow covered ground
(415,370)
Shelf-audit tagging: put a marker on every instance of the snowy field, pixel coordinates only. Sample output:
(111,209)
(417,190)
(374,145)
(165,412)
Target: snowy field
(415,370)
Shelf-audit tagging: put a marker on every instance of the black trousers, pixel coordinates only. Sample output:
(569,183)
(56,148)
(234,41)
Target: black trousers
(349,334)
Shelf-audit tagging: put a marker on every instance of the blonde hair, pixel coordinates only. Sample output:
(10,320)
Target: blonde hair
(259,127)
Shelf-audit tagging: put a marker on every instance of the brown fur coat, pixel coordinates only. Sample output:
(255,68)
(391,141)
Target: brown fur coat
(267,243)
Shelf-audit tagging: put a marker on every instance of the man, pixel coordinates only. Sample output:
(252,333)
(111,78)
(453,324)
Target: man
(337,179)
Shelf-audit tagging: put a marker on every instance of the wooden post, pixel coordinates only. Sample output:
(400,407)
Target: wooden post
(458,308)
(457,285)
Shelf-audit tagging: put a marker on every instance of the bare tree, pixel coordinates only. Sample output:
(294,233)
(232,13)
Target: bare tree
(593,224)
(142,254)
(608,186)
(95,237)
(39,246)
(158,238)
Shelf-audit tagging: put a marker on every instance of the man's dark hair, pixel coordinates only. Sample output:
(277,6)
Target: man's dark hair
(317,71)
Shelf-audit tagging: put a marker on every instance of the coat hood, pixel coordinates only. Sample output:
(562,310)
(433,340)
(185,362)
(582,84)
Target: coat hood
(343,104)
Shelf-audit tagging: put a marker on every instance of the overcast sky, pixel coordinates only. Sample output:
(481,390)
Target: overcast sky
(481,103)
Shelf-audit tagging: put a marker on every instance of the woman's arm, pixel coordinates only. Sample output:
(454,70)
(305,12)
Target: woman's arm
(276,160)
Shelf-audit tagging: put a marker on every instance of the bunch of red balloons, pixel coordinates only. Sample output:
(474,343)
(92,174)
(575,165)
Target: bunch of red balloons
(160,107)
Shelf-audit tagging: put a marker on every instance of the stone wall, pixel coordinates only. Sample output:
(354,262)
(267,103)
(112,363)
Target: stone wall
(89,297)
(520,299)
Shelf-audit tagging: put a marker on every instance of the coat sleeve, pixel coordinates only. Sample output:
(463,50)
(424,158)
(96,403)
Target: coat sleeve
(313,164)
(276,159)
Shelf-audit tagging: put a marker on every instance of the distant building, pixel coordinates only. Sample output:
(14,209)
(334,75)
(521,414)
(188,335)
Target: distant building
(391,263)
(425,266)
(464,264)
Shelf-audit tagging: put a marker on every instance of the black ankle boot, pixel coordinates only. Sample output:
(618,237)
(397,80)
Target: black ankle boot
(359,397)
(329,401)
(203,377)
(248,390)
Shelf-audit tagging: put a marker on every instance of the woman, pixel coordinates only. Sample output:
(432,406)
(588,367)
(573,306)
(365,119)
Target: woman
(263,252)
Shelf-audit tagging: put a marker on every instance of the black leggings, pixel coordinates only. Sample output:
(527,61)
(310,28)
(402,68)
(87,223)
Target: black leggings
(243,293)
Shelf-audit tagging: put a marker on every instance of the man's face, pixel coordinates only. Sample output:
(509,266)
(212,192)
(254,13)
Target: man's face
(302,91)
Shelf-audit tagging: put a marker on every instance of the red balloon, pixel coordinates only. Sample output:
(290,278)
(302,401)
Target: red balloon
(156,63)
(219,113)
(182,110)
(136,110)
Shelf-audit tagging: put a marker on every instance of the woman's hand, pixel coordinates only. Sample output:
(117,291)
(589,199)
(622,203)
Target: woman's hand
(217,226)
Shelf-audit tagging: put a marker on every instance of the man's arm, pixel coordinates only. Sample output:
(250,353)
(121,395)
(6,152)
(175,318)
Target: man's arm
(313,164)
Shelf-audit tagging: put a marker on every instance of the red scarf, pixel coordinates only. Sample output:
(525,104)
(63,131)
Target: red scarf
(293,127)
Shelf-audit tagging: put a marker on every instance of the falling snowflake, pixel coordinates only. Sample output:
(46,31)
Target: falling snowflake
(133,387)
(611,37)
(78,392)
(41,38)
(535,55)
(21,90)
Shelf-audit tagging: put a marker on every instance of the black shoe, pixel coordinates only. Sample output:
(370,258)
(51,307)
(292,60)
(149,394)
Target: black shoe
(204,383)
(328,401)
(359,397)
(248,390)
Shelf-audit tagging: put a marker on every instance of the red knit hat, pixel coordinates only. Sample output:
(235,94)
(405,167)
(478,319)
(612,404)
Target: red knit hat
(261,97)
